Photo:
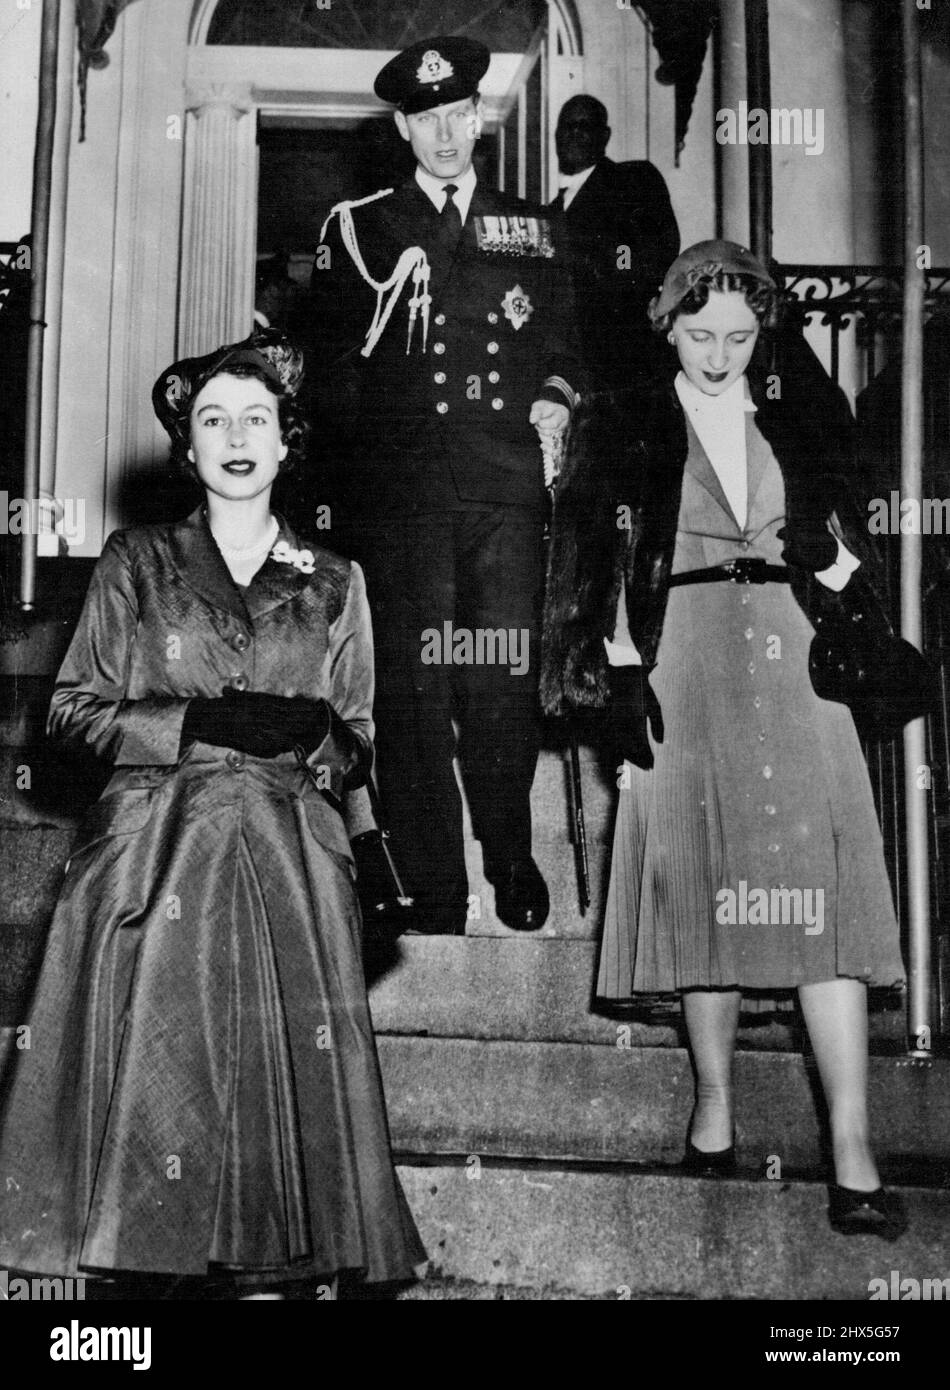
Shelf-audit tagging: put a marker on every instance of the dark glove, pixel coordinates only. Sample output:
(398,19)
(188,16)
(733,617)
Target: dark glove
(376,888)
(810,547)
(632,704)
(262,725)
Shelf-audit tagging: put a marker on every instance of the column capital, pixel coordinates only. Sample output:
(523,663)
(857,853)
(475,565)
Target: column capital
(201,97)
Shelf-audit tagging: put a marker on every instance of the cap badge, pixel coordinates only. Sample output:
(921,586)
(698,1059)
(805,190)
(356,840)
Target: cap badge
(517,306)
(434,67)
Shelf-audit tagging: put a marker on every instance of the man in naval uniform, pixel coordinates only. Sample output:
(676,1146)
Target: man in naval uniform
(443,339)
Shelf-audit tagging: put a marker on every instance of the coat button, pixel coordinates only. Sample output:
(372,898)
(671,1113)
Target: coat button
(442,407)
(498,403)
(438,348)
(234,760)
(439,378)
(239,681)
(494,377)
(439,320)
(493,318)
(493,347)
(240,642)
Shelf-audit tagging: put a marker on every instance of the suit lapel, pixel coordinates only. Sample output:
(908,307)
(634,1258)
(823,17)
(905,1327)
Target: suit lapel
(200,565)
(588,197)
(699,467)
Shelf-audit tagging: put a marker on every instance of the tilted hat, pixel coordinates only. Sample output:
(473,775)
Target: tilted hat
(433,72)
(697,262)
(278,360)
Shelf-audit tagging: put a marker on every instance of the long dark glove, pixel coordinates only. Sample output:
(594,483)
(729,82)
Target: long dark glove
(259,724)
(810,547)
(632,704)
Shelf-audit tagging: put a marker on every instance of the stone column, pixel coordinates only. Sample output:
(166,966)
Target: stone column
(733,159)
(219,219)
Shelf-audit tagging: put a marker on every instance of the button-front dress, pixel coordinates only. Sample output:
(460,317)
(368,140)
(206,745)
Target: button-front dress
(201,1092)
(758,783)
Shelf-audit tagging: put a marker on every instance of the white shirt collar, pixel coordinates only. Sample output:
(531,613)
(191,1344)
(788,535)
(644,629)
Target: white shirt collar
(434,188)
(735,401)
(571,184)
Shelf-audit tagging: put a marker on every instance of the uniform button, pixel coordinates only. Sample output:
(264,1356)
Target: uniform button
(493,317)
(745,598)
(438,348)
(773,848)
(769,810)
(745,545)
(235,760)
(439,378)
(757,703)
(239,681)
(761,735)
(439,320)
(494,377)
(498,403)
(493,347)
(766,772)
(442,407)
(241,642)
(749,634)
(751,668)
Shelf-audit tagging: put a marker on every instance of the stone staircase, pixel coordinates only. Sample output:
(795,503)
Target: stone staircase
(537,1141)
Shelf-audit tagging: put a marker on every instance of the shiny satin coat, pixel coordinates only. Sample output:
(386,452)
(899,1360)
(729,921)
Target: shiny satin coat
(201,1086)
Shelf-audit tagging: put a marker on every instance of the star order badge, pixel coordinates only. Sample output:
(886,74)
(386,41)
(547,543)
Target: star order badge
(433,67)
(517,306)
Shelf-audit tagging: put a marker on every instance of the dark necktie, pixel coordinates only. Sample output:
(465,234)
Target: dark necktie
(451,217)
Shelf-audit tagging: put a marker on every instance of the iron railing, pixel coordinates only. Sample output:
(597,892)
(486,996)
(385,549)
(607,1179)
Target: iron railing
(858,311)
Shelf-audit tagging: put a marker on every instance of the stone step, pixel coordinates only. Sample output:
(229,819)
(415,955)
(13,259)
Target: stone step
(579,1102)
(618,1233)
(538,989)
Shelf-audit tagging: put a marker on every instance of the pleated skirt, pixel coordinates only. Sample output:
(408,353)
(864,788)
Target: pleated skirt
(750,855)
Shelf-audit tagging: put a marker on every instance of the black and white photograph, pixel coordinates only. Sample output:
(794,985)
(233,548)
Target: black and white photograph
(475,670)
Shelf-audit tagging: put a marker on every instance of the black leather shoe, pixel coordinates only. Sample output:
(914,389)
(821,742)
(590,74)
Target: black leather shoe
(721,1163)
(879,1213)
(521,895)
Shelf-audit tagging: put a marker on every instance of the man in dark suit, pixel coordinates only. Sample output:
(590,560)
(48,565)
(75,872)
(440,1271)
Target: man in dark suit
(444,345)
(622,237)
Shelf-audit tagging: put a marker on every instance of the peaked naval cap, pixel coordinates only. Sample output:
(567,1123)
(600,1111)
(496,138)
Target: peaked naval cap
(277,359)
(433,72)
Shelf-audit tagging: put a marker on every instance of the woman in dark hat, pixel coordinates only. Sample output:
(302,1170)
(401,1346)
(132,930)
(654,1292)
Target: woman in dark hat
(702,529)
(202,1096)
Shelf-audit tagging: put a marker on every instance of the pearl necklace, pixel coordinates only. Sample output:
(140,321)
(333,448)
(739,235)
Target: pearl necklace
(248,552)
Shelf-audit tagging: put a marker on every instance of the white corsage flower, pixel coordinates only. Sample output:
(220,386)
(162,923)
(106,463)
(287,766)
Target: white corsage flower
(302,560)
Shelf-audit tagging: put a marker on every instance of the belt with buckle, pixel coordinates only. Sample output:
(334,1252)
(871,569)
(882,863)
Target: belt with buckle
(741,571)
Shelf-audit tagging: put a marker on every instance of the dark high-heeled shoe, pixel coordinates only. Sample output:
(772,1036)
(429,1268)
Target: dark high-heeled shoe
(721,1163)
(879,1213)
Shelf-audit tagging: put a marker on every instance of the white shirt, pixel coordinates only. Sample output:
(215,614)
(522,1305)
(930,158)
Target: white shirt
(719,422)
(434,189)
(571,184)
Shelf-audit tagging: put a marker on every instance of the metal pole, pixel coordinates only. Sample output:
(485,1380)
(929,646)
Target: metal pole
(912,437)
(42,182)
(759,95)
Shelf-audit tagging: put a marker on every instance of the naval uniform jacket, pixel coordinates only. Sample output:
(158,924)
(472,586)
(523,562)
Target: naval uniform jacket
(445,427)
(628,451)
